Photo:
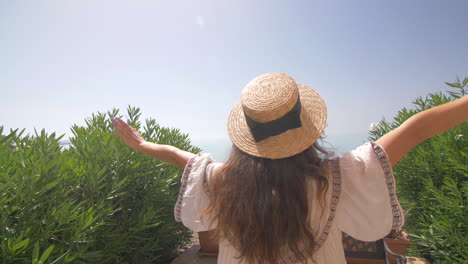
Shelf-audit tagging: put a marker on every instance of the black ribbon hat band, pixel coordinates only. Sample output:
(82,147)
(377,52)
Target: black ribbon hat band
(261,131)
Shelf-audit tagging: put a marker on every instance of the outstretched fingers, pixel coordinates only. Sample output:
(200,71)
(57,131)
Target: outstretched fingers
(117,133)
(118,123)
(130,136)
(122,127)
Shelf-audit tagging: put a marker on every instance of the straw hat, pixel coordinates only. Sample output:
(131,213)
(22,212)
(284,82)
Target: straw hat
(276,117)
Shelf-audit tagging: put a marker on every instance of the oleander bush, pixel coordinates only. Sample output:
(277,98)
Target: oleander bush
(96,201)
(431,183)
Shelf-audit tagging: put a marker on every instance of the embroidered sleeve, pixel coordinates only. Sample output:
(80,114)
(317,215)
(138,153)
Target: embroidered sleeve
(397,212)
(193,195)
(368,208)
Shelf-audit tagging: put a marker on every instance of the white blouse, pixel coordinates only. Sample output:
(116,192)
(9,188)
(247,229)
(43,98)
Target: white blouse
(361,201)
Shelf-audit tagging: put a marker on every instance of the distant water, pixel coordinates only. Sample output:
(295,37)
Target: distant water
(343,143)
(221,148)
(338,144)
(65,143)
(218,148)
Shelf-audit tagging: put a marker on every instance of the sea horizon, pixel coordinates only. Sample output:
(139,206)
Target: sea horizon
(220,148)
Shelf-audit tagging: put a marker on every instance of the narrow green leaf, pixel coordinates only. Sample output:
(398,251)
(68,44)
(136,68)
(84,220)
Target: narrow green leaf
(59,258)
(455,85)
(35,255)
(46,254)
(21,244)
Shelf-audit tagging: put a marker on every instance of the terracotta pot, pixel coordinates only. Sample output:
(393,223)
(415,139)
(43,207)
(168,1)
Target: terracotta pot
(398,246)
(209,244)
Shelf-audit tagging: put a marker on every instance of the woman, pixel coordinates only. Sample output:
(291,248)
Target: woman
(280,198)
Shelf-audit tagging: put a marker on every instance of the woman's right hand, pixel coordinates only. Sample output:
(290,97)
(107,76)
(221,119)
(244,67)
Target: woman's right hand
(165,153)
(128,134)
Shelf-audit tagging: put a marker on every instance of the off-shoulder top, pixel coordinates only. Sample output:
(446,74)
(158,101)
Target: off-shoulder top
(361,201)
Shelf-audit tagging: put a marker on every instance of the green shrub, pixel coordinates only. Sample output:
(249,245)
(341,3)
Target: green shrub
(95,202)
(432,186)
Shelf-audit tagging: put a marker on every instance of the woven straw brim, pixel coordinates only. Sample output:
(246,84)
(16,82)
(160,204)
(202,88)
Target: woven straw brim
(289,143)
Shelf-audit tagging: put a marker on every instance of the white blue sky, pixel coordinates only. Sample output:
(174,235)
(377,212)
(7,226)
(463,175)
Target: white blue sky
(184,62)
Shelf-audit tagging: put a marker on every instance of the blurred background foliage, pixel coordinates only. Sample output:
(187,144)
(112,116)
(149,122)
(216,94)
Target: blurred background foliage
(431,183)
(96,201)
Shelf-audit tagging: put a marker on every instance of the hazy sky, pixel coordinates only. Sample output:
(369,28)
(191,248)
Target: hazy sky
(184,63)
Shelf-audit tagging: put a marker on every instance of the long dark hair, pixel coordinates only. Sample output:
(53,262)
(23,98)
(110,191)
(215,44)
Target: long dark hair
(261,205)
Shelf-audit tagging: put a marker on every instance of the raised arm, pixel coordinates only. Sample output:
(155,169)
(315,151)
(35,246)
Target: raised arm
(422,126)
(134,140)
